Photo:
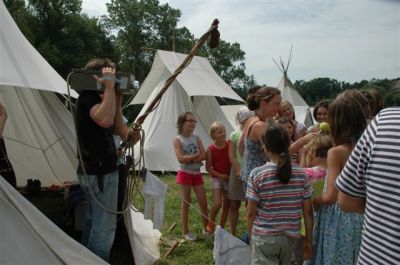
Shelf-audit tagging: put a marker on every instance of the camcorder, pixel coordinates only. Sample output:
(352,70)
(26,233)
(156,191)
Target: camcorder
(82,79)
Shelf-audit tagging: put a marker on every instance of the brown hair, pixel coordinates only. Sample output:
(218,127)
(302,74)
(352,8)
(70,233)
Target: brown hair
(321,104)
(276,140)
(181,120)
(98,64)
(347,119)
(263,94)
(362,100)
(377,100)
(284,120)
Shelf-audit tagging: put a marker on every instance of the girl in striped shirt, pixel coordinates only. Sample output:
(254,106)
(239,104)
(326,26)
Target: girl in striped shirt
(277,193)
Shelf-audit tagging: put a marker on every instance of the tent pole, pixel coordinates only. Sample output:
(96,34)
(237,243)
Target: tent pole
(154,104)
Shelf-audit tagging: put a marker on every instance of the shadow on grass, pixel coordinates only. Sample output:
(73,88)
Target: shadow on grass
(53,205)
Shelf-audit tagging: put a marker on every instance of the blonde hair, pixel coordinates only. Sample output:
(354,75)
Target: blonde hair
(285,103)
(215,126)
(320,144)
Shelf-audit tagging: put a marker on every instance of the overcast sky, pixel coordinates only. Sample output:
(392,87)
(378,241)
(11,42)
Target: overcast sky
(348,40)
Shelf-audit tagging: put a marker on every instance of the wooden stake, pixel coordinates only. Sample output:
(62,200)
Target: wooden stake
(171,227)
(174,246)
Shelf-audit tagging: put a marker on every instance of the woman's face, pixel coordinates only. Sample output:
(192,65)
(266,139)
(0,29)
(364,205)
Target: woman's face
(322,114)
(286,111)
(272,107)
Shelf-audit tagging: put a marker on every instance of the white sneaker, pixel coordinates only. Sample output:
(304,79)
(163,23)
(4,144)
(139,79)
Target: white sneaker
(190,237)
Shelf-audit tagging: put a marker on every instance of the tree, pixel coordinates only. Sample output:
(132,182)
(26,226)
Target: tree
(148,23)
(317,89)
(228,61)
(392,99)
(64,37)
(21,16)
(138,24)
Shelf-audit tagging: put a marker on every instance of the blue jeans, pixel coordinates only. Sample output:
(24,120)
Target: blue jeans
(99,227)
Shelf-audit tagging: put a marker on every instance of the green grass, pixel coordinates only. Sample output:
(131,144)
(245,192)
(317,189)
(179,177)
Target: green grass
(200,251)
(52,204)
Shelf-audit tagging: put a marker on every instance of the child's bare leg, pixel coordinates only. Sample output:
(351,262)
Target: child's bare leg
(217,202)
(225,207)
(185,194)
(233,215)
(201,197)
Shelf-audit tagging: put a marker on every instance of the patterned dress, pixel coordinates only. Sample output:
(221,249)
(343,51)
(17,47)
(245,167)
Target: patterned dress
(337,236)
(253,156)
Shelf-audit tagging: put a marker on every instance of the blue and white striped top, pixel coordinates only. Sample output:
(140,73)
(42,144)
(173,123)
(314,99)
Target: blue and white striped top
(373,172)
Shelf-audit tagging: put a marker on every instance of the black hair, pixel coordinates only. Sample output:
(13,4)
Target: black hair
(276,140)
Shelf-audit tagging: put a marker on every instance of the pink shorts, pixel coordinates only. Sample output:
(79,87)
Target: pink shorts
(217,183)
(185,178)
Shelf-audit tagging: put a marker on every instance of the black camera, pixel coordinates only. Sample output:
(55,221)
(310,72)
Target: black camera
(81,79)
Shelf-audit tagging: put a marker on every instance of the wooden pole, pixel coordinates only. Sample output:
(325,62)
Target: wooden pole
(173,40)
(153,105)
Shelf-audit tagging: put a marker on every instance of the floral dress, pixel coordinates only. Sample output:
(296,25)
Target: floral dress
(253,156)
(337,236)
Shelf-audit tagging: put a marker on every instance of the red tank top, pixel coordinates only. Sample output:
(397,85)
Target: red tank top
(220,159)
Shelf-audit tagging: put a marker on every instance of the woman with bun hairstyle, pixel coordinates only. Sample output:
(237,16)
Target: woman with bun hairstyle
(265,103)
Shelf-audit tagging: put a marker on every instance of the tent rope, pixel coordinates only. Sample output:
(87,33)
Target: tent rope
(132,179)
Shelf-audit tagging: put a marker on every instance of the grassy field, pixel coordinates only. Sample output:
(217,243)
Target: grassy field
(199,251)
(52,204)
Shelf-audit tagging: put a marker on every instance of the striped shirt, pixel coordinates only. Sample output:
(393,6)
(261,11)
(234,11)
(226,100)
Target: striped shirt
(279,206)
(373,172)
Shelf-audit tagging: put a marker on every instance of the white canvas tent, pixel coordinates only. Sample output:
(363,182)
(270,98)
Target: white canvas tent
(39,133)
(289,93)
(41,144)
(230,112)
(28,237)
(194,90)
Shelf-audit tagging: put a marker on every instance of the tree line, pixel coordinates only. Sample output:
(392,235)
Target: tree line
(326,88)
(68,38)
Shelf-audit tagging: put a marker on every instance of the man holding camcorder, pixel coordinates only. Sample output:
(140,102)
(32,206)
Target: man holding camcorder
(99,116)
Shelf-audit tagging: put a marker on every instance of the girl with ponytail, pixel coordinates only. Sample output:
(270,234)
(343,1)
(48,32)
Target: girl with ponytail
(278,193)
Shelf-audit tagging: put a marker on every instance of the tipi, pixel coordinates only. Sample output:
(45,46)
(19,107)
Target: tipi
(39,133)
(289,93)
(193,90)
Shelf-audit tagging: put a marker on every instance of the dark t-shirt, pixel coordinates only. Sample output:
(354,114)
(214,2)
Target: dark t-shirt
(96,143)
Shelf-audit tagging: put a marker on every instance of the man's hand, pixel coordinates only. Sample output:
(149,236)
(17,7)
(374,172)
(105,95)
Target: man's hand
(104,113)
(108,78)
